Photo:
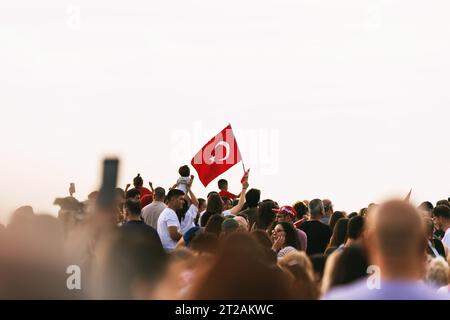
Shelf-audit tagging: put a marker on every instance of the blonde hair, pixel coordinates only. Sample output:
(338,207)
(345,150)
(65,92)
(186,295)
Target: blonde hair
(438,272)
(299,258)
(299,266)
(328,271)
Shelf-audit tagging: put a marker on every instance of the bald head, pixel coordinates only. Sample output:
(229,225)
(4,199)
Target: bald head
(396,235)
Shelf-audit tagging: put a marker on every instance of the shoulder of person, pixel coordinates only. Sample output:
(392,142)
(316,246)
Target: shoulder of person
(446,234)
(167,212)
(285,251)
(353,291)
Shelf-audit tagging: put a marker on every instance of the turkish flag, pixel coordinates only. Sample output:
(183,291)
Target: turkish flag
(217,156)
(245,176)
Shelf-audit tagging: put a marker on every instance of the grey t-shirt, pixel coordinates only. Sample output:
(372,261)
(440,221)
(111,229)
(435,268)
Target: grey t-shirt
(151,213)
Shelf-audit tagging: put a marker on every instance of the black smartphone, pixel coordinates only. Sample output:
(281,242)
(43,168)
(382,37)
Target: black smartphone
(107,195)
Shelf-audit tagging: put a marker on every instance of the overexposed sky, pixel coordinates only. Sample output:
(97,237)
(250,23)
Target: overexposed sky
(341,99)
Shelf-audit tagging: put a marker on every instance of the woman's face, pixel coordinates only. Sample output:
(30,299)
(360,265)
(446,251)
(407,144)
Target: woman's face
(278,231)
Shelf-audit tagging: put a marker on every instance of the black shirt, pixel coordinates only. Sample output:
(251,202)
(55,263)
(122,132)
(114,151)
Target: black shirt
(319,235)
(439,234)
(140,226)
(437,244)
(251,214)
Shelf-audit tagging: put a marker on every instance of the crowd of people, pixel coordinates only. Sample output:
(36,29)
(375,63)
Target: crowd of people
(169,244)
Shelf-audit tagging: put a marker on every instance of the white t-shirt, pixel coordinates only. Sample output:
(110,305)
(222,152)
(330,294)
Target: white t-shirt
(167,218)
(189,218)
(444,290)
(446,238)
(182,183)
(227,213)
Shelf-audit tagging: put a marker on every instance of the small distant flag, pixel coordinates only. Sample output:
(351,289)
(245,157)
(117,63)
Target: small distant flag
(245,177)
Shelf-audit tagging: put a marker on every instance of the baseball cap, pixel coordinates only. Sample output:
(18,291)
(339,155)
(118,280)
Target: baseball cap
(287,210)
(229,225)
(190,234)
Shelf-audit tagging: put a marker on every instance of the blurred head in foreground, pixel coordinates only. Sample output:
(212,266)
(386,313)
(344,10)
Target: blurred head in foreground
(251,277)
(32,259)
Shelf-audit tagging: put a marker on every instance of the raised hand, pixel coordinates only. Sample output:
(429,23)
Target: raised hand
(278,243)
(72,189)
(191,181)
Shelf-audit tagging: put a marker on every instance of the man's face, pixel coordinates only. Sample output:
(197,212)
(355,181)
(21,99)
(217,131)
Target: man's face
(438,222)
(178,202)
(282,217)
(183,202)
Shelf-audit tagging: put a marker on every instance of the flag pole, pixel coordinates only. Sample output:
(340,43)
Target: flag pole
(243,166)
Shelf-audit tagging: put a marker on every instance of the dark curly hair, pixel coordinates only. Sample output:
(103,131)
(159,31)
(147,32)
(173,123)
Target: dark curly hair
(184,171)
(138,181)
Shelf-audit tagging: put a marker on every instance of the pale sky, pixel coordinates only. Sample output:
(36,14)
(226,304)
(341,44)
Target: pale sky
(347,100)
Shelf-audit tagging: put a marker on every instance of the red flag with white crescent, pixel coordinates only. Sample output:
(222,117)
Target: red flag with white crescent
(217,156)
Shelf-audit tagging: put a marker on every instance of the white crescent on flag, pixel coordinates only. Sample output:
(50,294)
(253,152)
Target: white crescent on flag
(212,160)
(227,151)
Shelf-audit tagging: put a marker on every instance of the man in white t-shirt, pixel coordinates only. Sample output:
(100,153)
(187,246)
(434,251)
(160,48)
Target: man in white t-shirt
(441,216)
(168,226)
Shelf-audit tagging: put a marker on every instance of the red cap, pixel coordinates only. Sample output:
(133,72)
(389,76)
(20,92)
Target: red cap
(287,210)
